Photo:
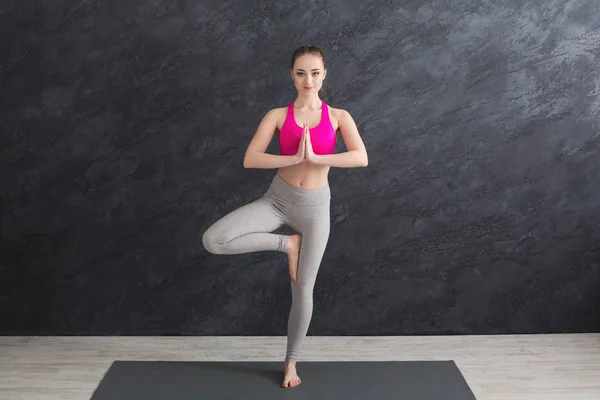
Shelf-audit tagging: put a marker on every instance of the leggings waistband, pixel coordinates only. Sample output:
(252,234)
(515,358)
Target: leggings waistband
(296,195)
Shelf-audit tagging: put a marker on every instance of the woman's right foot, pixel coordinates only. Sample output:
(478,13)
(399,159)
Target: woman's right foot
(290,378)
(293,253)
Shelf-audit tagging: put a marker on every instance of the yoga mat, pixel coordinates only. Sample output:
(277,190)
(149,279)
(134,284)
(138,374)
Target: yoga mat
(343,380)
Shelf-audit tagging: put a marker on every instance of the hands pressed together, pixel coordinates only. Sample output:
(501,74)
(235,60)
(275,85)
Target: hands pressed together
(305,150)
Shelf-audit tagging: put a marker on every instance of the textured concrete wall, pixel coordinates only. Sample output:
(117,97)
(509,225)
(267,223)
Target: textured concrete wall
(124,126)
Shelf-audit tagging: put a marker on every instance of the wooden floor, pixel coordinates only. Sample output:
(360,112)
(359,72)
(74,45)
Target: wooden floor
(524,367)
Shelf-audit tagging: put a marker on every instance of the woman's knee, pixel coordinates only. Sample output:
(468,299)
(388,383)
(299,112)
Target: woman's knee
(303,290)
(211,242)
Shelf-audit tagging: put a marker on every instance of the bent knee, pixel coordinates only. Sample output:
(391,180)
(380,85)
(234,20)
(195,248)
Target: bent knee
(211,242)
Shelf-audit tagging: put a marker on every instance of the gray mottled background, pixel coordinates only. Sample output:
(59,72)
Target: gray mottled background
(124,126)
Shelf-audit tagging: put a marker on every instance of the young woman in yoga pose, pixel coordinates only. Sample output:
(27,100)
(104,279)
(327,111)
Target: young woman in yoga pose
(299,194)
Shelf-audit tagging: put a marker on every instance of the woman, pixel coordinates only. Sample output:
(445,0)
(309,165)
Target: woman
(299,194)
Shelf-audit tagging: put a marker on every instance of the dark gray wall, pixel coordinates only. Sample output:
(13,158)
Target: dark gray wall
(124,125)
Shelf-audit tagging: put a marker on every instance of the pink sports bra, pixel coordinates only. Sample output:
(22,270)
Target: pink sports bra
(322,136)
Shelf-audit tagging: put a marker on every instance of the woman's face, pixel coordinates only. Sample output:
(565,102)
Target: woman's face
(308,74)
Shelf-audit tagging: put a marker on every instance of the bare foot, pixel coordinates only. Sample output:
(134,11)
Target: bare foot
(293,253)
(291,378)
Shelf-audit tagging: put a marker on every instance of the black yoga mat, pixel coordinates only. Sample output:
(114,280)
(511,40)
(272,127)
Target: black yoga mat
(343,380)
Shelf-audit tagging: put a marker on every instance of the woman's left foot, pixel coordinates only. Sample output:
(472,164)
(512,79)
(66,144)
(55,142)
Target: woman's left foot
(291,378)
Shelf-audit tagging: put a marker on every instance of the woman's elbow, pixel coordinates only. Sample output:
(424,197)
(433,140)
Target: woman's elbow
(247,161)
(365,160)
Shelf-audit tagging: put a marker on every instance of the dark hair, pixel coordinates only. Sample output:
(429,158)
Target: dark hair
(312,50)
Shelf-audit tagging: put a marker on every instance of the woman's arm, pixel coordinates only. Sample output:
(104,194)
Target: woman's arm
(356,156)
(256,157)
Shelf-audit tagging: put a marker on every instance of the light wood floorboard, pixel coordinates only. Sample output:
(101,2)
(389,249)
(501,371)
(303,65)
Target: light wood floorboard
(498,367)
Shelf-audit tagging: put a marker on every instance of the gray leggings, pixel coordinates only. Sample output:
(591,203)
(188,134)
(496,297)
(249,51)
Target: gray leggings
(247,229)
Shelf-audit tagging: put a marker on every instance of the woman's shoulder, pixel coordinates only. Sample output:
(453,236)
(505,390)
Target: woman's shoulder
(279,114)
(336,112)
